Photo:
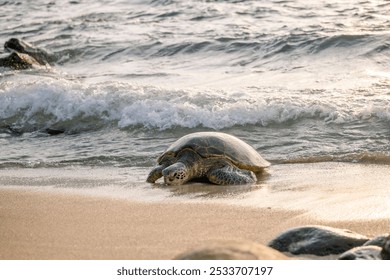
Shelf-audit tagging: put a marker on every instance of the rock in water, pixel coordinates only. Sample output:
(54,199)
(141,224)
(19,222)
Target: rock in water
(19,46)
(317,240)
(24,55)
(18,61)
(233,250)
(52,131)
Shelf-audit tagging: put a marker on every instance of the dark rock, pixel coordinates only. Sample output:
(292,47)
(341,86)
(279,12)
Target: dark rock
(385,254)
(14,45)
(52,131)
(377,241)
(317,240)
(362,253)
(24,55)
(18,61)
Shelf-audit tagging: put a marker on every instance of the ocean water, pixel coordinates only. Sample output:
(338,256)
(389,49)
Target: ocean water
(301,81)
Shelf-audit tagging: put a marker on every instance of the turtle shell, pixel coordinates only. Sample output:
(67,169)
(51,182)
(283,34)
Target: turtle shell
(217,144)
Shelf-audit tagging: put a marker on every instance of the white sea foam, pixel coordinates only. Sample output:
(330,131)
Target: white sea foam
(51,102)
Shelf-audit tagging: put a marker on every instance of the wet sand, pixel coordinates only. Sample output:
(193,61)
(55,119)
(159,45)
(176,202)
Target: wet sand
(50,225)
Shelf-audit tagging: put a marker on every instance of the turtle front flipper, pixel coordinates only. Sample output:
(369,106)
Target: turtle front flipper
(230,175)
(155,174)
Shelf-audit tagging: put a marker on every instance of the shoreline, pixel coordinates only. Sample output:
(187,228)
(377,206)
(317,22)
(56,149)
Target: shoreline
(50,225)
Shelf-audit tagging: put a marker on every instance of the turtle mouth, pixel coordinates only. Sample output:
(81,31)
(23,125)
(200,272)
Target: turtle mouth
(170,181)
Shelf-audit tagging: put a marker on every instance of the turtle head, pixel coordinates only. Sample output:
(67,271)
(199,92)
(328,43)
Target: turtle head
(176,174)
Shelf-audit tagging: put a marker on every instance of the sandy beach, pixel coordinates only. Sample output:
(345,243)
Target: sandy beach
(49,225)
(92,93)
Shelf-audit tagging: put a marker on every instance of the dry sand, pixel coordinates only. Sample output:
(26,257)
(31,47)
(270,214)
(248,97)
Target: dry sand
(47,225)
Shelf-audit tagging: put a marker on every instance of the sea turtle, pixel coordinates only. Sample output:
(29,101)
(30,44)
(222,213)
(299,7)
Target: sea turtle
(221,158)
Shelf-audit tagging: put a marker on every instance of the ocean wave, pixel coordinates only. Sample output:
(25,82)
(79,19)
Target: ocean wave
(262,33)
(61,104)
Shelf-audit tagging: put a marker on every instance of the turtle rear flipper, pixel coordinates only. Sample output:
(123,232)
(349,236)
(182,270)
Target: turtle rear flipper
(230,175)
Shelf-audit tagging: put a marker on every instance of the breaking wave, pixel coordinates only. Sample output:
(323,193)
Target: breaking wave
(72,106)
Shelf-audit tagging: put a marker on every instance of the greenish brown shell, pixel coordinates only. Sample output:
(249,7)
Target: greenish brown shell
(222,145)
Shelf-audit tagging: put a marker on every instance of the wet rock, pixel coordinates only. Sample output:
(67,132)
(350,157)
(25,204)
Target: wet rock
(385,254)
(233,250)
(19,46)
(52,131)
(24,55)
(381,252)
(377,241)
(362,253)
(317,240)
(18,61)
